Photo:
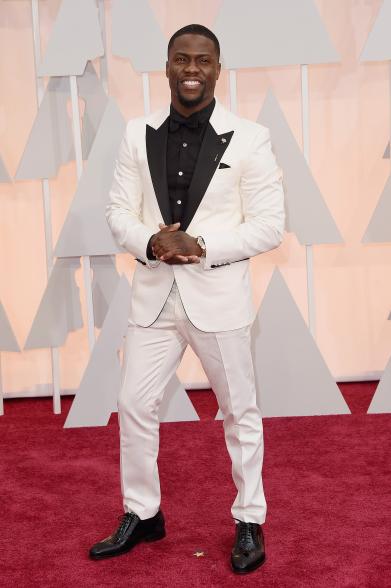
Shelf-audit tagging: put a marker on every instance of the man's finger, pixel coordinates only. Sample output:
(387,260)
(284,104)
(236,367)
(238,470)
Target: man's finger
(193,259)
(171,254)
(169,228)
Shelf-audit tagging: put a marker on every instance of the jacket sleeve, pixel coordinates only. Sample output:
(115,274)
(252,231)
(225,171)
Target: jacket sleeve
(262,205)
(123,211)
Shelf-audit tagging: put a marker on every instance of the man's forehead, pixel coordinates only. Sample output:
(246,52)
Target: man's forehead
(192,43)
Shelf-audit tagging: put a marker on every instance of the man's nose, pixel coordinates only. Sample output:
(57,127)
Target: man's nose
(192,66)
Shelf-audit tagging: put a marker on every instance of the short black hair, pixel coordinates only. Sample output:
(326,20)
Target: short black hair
(195,29)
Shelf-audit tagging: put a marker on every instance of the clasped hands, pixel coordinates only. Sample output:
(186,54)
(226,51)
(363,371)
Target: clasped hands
(174,246)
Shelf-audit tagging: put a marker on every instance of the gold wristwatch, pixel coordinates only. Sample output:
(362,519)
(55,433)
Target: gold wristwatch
(201,243)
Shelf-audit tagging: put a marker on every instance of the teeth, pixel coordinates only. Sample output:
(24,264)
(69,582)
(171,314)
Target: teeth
(191,83)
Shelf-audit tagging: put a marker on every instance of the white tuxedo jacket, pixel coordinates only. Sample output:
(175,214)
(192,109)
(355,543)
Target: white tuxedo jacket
(238,210)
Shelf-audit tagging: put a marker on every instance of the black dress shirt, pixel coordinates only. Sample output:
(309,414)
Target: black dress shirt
(184,141)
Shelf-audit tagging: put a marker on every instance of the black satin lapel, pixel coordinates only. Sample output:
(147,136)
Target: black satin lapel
(212,150)
(156,143)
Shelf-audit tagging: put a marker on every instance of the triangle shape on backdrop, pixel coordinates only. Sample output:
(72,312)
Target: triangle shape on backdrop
(89,88)
(260,33)
(176,405)
(4,175)
(59,311)
(75,39)
(97,396)
(8,340)
(378,44)
(50,142)
(292,378)
(386,154)
(137,36)
(85,230)
(379,227)
(307,213)
(381,401)
(104,284)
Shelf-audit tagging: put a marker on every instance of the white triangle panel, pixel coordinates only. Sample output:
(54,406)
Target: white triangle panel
(97,396)
(381,401)
(137,35)
(76,38)
(291,376)
(8,340)
(50,143)
(379,228)
(378,44)
(261,33)
(4,175)
(104,284)
(85,231)
(306,211)
(59,311)
(176,405)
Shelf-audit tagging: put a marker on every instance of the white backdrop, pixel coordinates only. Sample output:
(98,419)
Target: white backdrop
(349,105)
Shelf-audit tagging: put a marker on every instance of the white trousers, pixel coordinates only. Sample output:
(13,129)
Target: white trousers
(152,355)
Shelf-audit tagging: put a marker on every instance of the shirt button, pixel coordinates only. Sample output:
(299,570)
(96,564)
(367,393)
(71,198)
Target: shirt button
(179,201)
(180,173)
(184,144)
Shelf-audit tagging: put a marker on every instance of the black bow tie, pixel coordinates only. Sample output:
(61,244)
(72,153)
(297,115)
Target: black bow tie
(177,121)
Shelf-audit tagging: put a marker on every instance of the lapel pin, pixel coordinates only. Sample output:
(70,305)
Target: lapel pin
(223,140)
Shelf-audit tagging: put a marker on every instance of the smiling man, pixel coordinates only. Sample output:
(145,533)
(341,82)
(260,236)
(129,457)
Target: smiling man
(196,193)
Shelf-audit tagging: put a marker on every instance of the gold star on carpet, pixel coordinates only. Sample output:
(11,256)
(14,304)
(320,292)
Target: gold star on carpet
(199,554)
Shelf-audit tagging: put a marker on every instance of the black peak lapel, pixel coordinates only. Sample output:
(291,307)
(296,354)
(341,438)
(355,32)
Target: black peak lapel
(156,144)
(212,150)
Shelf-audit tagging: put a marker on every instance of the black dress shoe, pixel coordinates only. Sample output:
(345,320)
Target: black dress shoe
(248,552)
(132,530)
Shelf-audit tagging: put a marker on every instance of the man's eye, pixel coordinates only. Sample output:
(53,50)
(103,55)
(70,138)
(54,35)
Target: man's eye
(180,59)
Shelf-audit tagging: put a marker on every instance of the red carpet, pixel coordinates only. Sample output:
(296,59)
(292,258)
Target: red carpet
(327,481)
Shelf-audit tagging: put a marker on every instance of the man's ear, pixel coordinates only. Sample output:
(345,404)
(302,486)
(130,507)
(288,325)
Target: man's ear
(166,69)
(218,70)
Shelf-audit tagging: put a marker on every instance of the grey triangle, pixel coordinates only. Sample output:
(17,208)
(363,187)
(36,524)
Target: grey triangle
(291,376)
(219,415)
(306,211)
(8,340)
(59,312)
(260,33)
(378,44)
(91,90)
(379,228)
(137,36)
(97,395)
(76,38)
(50,142)
(104,284)
(381,401)
(176,405)
(85,231)
(4,175)
(386,154)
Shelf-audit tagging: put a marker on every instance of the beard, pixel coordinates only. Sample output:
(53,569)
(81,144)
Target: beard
(190,102)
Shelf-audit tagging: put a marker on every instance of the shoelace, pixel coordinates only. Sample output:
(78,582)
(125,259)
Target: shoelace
(126,520)
(245,537)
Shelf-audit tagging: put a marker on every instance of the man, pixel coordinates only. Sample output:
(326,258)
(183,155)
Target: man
(209,182)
